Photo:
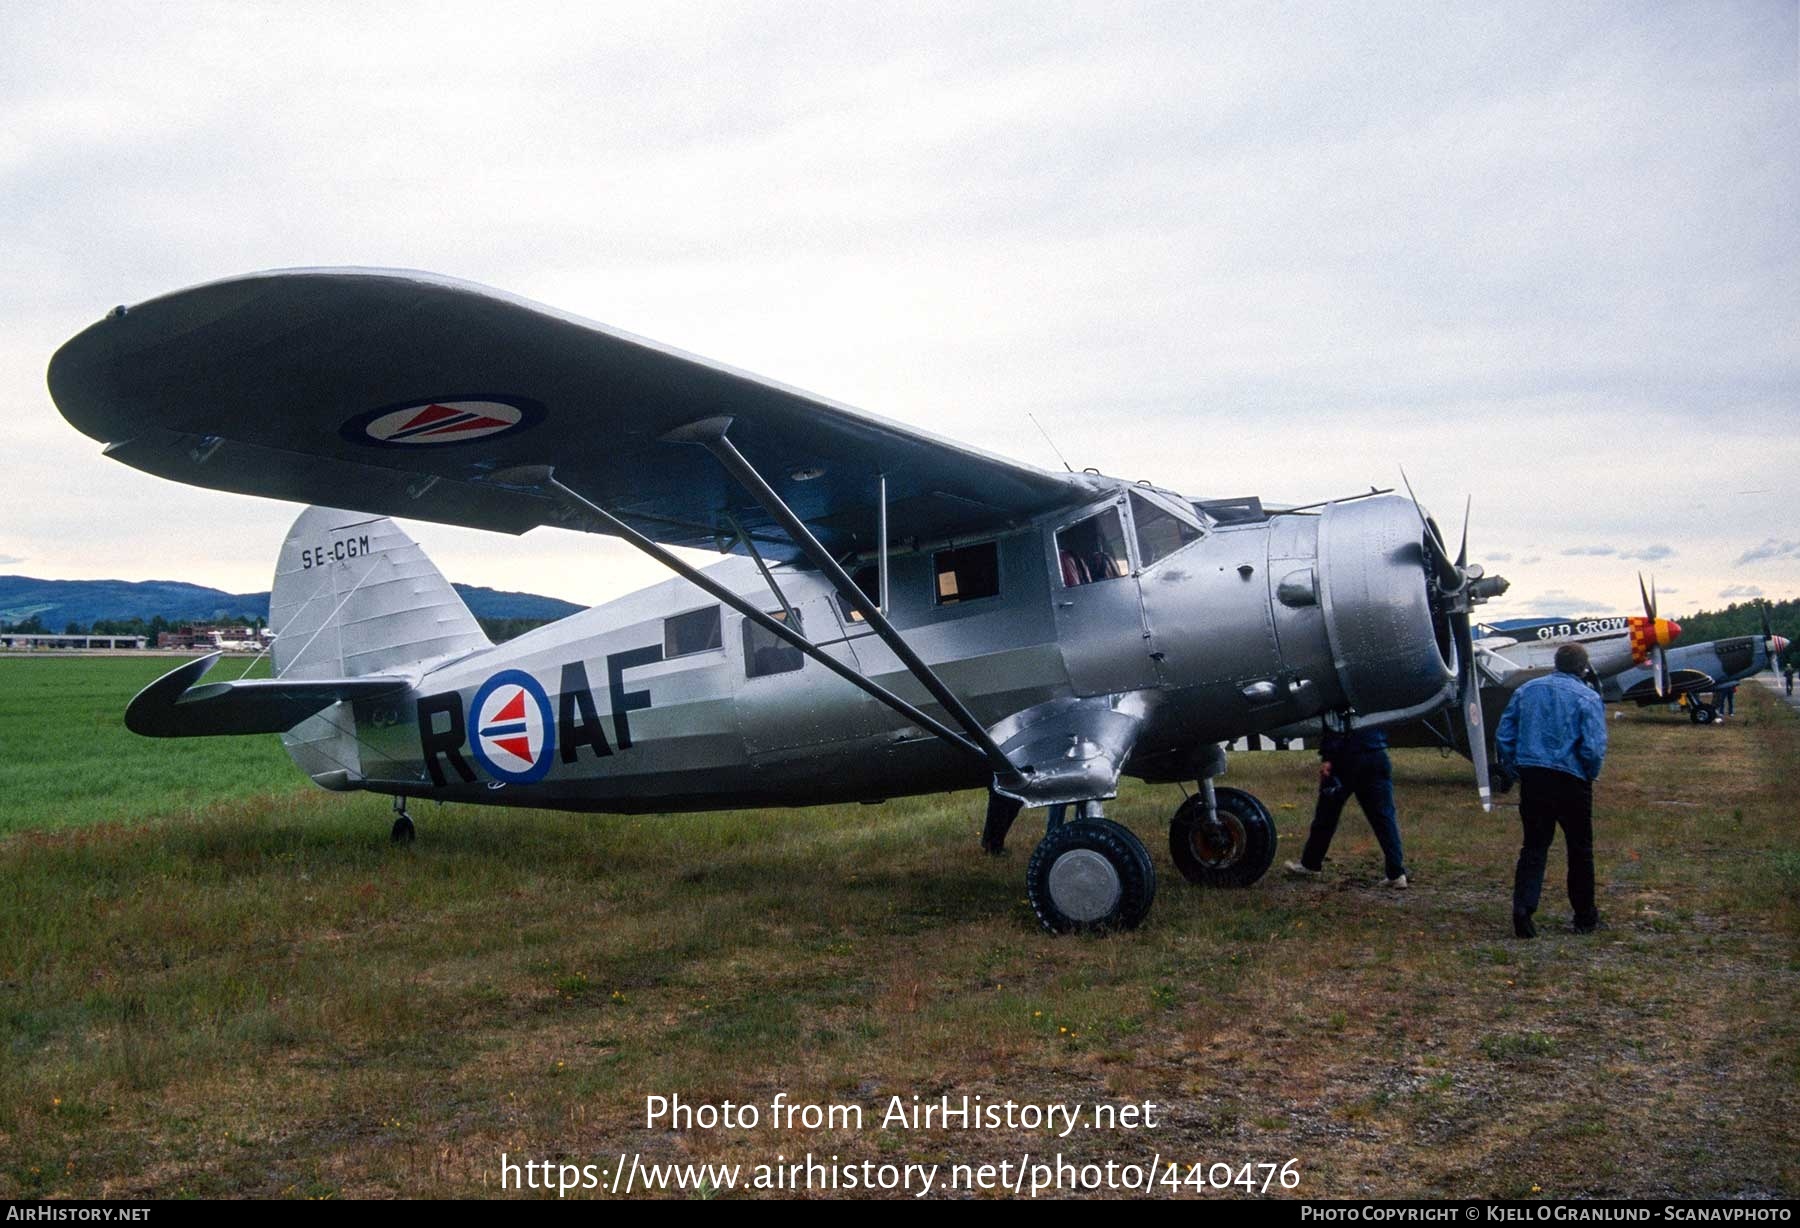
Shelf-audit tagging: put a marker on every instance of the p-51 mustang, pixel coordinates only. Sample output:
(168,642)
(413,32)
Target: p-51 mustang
(1694,669)
(902,614)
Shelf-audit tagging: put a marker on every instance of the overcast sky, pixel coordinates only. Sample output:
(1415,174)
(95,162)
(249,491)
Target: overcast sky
(1545,256)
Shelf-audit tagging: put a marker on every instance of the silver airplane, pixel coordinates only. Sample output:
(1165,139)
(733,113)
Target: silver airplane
(900,614)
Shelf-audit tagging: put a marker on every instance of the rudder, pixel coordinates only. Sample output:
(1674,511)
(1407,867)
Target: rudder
(354,595)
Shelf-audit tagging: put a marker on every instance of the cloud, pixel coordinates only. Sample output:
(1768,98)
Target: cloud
(1557,602)
(10,560)
(1770,549)
(1741,590)
(1500,556)
(1648,554)
(1529,559)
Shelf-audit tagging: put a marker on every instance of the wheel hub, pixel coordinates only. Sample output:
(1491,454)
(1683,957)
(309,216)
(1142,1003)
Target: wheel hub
(1221,844)
(1084,885)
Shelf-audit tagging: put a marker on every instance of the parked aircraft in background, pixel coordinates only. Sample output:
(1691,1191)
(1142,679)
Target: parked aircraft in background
(1697,670)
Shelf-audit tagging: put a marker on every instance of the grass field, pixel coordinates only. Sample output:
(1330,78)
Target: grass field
(216,980)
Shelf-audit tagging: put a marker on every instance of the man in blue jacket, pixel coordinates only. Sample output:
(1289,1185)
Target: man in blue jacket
(1552,736)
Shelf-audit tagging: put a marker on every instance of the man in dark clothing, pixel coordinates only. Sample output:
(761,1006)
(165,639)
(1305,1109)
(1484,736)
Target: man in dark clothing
(1552,736)
(1354,763)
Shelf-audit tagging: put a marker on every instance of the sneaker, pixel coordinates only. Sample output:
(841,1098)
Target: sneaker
(1300,870)
(1398,882)
(1522,926)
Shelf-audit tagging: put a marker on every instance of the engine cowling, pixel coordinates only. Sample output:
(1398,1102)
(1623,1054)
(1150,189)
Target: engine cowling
(1390,645)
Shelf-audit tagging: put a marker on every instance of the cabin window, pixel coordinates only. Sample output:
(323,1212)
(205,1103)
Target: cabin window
(695,631)
(868,580)
(967,573)
(1092,550)
(1160,533)
(767,653)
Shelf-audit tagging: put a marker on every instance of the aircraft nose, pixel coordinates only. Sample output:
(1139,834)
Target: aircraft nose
(1674,630)
(1781,644)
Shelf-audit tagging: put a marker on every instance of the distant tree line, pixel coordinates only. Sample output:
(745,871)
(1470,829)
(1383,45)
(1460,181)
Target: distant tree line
(1744,618)
(127,626)
(500,630)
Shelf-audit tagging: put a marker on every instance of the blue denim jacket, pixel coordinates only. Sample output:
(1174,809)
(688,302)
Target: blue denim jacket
(1556,721)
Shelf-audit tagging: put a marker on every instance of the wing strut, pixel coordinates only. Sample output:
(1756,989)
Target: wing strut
(710,434)
(544,476)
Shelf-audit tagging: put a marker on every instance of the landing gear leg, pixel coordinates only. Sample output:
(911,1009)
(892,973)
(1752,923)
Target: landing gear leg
(403,832)
(1001,812)
(1089,874)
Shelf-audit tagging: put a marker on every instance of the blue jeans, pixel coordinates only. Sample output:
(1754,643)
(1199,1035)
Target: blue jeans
(1370,779)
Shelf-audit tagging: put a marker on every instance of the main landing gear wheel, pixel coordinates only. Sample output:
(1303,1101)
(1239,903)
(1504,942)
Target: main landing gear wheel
(1236,853)
(1090,876)
(1702,714)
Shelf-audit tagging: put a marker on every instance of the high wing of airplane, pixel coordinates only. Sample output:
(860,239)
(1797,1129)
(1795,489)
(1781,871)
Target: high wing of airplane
(900,614)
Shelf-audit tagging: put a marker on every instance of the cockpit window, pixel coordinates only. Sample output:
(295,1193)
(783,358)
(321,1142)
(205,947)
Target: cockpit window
(1160,533)
(1092,550)
(767,653)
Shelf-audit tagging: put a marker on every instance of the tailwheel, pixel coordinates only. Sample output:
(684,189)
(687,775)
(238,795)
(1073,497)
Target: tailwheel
(403,832)
(1235,851)
(1090,876)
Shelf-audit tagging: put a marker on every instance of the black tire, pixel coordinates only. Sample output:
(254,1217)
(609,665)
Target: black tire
(1703,714)
(1241,859)
(403,832)
(1090,877)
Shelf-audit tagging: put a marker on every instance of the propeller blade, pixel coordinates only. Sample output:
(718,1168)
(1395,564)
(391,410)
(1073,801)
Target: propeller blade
(1649,601)
(1768,631)
(1468,698)
(1449,575)
(1462,551)
(1659,658)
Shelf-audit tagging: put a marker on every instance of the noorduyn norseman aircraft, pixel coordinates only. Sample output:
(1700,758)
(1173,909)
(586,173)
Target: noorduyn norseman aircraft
(902,614)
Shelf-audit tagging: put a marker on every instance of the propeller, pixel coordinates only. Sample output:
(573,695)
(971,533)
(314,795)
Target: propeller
(1659,657)
(1456,595)
(1774,646)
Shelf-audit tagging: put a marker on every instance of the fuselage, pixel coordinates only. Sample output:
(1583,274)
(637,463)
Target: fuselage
(666,700)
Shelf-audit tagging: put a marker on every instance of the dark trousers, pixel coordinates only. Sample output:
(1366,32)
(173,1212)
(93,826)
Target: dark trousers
(1548,799)
(1370,779)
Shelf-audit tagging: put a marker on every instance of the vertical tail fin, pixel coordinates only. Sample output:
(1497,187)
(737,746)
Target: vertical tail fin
(354,595)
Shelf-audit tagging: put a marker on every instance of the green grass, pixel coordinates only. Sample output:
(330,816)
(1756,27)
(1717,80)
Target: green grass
(69,759)
(255,994)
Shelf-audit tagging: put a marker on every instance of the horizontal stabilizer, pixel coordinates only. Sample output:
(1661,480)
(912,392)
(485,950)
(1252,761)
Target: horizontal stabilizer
(173,707)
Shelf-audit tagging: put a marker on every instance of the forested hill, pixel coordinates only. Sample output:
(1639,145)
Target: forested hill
(53,605)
